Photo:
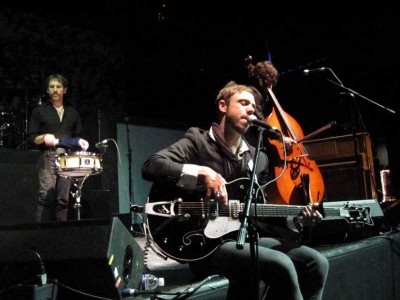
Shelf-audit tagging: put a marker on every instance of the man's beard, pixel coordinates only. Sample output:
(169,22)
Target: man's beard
(239,129)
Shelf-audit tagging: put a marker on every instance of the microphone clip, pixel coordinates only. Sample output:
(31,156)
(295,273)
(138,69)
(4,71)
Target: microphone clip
(102,144)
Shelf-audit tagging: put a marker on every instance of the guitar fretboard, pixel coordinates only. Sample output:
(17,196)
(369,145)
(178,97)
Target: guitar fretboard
(235,207)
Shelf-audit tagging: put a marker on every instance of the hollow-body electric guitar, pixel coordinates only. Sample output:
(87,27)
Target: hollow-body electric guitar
(186,228)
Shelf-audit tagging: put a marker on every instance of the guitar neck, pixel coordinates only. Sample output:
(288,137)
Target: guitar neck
(234,208)
(279,210)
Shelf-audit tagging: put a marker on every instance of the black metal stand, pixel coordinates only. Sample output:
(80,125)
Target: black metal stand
(355,116)
(78,184)
(131,198)
(129,163)
(23,135)
(99,115)
(246,229)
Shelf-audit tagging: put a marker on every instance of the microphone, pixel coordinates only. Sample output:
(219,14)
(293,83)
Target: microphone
(308,72)
(252,119)
(103,142)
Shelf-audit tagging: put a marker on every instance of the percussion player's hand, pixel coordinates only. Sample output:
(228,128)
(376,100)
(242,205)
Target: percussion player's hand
(84,144)
(50,140)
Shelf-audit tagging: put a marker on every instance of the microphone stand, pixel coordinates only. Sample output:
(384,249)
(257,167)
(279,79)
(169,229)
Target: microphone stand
(355,112)
(245,226)
(129,162)
(100,145)
(99,115)
(25,124)
(357,158)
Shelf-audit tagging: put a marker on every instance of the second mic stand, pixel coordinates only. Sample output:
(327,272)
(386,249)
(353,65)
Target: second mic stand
(356,115)
(245,227)
(129,163)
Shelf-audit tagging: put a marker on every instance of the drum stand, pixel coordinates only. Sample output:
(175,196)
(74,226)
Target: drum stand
(78,183)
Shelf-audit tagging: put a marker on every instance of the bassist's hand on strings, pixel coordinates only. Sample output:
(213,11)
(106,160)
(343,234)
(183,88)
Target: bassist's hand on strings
(214,185)
(309,215)
(289,142)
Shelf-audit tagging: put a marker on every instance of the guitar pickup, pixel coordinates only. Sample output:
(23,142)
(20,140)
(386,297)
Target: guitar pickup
(234,209)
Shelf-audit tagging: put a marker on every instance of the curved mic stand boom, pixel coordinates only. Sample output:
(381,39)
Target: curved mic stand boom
(361,96)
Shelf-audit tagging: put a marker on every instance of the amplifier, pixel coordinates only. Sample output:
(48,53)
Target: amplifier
(340,148)
(347,166)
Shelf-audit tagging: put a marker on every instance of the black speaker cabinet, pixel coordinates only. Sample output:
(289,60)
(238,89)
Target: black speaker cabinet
(19,186)
(97,257)
(347,166)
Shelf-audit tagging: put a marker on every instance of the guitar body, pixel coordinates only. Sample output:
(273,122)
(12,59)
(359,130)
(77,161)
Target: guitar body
(181,236)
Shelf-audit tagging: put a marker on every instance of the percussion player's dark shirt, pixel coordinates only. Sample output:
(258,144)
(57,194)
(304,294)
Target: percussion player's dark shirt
(45,119)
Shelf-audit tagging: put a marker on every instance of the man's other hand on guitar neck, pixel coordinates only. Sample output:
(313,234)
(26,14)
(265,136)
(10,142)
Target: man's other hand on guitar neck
(309,215)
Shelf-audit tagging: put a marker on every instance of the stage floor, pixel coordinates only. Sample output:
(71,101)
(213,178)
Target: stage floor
(365,259)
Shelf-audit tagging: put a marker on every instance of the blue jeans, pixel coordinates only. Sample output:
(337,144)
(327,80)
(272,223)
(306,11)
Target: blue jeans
(53,190)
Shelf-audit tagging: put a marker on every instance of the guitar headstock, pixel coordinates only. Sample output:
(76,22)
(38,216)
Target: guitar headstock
(356,214)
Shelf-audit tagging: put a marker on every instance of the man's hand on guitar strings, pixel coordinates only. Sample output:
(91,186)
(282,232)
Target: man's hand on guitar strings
(214,183)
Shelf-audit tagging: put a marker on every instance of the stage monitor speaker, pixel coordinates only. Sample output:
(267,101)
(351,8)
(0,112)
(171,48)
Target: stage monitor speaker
(96,257)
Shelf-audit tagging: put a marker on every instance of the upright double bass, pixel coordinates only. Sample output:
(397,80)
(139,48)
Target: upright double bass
(300,181)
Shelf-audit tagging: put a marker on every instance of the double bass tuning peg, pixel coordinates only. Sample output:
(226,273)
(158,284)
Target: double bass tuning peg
(248,60)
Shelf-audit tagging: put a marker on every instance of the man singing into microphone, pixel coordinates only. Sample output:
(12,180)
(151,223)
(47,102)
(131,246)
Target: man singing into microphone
(54,128)
(208,161)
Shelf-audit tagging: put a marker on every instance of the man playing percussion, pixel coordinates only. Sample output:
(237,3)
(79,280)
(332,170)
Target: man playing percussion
(53,128)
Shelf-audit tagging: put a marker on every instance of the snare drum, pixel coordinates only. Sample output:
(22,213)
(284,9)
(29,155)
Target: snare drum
(79,164)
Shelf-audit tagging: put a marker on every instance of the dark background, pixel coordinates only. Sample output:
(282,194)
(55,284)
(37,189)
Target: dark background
(162,62)
(173,59)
